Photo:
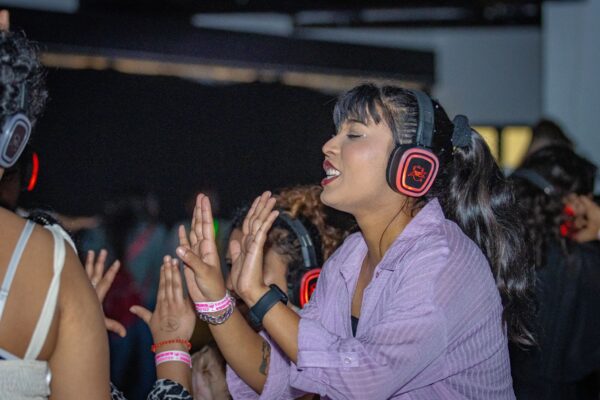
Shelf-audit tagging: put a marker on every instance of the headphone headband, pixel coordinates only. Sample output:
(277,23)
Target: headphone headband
(309,254)
(425,125)
(536,180)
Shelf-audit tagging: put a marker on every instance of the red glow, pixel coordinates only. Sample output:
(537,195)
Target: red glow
(34,172)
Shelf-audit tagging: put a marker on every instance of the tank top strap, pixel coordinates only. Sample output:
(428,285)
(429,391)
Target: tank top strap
(14,263)
(45,320)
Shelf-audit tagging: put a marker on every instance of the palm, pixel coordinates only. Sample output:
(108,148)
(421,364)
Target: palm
(247,255)
(199,253)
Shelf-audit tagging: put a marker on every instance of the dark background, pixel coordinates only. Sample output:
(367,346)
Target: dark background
(104,133)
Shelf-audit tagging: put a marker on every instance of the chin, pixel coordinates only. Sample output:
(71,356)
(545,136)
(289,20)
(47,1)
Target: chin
(338,204)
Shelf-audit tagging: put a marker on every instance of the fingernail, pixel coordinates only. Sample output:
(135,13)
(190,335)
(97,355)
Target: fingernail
(181,251)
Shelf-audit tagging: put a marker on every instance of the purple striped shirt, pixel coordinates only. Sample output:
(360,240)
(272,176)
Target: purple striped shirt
(430,324)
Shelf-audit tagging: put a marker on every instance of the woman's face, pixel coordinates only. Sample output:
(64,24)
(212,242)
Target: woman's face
(355,163)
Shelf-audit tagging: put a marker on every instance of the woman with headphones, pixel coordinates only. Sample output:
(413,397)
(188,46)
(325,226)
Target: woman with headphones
(420,303)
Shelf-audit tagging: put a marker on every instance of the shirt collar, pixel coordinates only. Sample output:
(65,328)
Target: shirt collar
(428,220)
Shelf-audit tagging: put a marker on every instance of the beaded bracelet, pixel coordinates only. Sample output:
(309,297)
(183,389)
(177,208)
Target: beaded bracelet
(214,306)
(218,320)
(168,356)
(172,341)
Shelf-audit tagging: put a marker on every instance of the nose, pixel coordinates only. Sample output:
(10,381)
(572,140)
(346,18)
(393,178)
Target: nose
(330,146)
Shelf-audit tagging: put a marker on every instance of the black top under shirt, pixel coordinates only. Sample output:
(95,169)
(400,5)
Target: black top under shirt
(354,322)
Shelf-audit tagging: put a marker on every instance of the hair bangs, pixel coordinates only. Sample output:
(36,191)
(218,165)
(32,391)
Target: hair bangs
(362,104)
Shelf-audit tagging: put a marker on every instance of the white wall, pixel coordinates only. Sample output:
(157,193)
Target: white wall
(490,74)
(571,81)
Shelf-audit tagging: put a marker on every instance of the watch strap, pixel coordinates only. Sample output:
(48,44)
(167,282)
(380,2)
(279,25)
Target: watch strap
(265,303)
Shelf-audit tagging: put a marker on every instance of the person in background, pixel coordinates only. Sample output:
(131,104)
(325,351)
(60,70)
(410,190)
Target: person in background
(547,133)
(130,232)
(555,186)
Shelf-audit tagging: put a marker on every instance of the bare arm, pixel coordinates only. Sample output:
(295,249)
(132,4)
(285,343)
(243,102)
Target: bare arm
(79,363)
(245,351)
(173,318)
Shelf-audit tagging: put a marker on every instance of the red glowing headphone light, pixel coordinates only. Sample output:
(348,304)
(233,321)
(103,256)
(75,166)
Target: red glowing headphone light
(35,169)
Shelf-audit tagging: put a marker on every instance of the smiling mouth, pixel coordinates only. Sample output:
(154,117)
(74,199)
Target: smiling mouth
(331,173)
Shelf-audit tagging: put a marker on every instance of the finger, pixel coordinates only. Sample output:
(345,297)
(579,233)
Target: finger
(192,260)
(106,282)
(197,227)
(115,326)
(259,207)
(193,237)
(249,215)
(235,250)
(4,20)
(177,282)
(261,234)
(183,237)
(89,264)
(142,313)
(193,289)
(208,225)
(264,214)
(99,267)
(169,283)
(259,214)
(160,297)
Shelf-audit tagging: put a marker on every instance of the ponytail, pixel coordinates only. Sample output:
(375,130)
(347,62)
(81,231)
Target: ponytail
(482,202)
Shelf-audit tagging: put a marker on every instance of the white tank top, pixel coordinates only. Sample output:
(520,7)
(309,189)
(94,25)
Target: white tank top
(27,378)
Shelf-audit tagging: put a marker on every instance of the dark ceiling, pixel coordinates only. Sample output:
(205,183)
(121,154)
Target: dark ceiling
(340,12)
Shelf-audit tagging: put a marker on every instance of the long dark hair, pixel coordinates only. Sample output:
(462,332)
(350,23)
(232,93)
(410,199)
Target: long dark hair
(568,173)
(470,188)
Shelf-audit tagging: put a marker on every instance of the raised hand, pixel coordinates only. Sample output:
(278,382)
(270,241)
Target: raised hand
(101,281)
(199,254)
(587,218)
(4,20)
(174,316)
(247,275)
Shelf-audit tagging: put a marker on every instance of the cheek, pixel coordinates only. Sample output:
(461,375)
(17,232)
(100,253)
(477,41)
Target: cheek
(369,162)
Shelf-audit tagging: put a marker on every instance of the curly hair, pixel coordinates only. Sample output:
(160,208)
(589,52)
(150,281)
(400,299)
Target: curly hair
(20,66)
(567,173)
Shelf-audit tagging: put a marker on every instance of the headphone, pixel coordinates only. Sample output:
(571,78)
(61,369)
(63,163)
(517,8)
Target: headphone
(300,290)
(412,168)
(536,180)
(15,133)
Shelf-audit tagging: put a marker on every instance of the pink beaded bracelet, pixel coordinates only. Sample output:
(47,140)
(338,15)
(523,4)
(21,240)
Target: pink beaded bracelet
(168,356)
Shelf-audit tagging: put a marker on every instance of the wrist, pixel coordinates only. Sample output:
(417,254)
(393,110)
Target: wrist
(253,296)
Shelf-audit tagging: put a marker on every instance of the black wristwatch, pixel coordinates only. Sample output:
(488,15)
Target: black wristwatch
(265,303)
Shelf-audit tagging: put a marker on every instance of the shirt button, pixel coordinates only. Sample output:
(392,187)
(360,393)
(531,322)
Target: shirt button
(347,360)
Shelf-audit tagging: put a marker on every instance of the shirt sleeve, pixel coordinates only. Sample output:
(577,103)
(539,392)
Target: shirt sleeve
(277,385)
(389,356)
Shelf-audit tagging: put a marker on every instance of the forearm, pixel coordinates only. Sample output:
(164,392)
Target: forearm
(282,324)
(176,371)
(246,352)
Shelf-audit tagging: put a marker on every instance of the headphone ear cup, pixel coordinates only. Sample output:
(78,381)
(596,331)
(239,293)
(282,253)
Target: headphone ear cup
(308,284)
(412,170)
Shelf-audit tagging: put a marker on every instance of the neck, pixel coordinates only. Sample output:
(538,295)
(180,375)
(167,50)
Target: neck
(381,227)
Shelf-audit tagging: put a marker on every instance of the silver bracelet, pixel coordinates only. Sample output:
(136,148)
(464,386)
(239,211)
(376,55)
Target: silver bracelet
(218,320)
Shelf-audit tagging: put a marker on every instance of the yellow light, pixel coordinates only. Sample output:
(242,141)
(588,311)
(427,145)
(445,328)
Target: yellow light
(490,135)
(515,141)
